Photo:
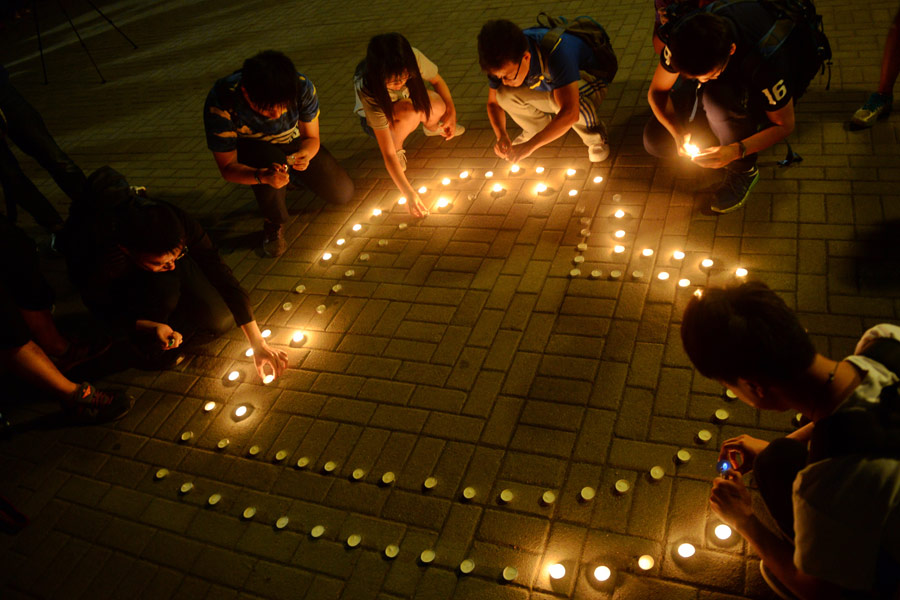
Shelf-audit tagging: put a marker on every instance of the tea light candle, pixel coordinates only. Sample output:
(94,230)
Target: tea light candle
(622,486)
(706,263)
(582,247)
(388,478)
(281,455)
(703,436)
(740,272)
(317,531)
(506,496)
(445,181)
(223,443)
(663,275)
(430,483)
(684,282)
(698,293)
(637,274)
(254,450)
(214,499)
(423,189)
(619,213)
(489,174)
(464,175)
(249,352)
(598,179)
(353,540)
(336,288)
(602,573)
(596,273)
(678,255)
(162,474)
(510,573)
(657,473)
(427,556)
(548,498)
(497,189)
(617,197)
(722,531)
(541,188)
(326,256)
(557,571)
(298,337)
(646,562)
(467,566)
(402,226)
(358,474)
(443,203)
(282,522)
(363,257)
(721,415)
(209,406)
(574,272)
(585,233)
(683,456)
(730,394)
(615,274)
(401,200)
(469,493)
(647,252)
(268,379)
(302,462)
(570,172)
(376,212)
(240,411)
(266,333)
(573,193)
(587,493)
(249,512)
(234,375)
(578,260)
(686,550)
(514,169)
(356,227)
(329,466)
(186,436)
(618,249)
(539,170)
(391,550)
(620,233)
(287,306)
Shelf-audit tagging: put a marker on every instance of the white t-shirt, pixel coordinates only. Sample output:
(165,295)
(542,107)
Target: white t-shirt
(367,106)
(846,508)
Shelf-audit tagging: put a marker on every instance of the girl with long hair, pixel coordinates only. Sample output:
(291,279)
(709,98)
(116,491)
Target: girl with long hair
(392,100)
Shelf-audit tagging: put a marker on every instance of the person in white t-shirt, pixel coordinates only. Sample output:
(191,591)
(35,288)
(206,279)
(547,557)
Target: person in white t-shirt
(391,101)
(837,509)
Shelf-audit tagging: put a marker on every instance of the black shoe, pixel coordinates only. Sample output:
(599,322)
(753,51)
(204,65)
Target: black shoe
(89,405)
(734,191)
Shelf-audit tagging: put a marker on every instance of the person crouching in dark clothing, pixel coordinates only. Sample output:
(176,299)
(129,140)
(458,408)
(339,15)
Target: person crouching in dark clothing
(148,268)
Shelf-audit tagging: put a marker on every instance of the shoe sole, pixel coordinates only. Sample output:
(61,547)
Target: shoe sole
(860,124)
(774,584)
(739,204)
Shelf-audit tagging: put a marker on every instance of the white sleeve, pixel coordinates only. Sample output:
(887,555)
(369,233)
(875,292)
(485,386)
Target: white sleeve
(883,330)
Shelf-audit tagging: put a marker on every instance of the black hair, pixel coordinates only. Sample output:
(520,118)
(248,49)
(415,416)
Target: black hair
(149,227)
(270,80)
(500,42)
(745,331)
(389,55)
(700,43)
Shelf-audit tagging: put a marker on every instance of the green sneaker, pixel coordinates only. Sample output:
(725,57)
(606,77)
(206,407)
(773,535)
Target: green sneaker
(878,106)
(734,191)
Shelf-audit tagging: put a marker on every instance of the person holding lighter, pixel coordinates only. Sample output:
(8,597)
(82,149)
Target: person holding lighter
(718,100)
(262,126)
(832,486)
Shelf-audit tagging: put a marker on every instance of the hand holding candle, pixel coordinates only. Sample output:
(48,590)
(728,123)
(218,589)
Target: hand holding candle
(731,500)
(263,355)
(741,452)
(717,157)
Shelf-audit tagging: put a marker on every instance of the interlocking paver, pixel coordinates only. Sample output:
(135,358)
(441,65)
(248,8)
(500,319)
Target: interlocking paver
(461,350)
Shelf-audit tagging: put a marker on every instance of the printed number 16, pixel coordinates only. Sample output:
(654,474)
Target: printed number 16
(778,92)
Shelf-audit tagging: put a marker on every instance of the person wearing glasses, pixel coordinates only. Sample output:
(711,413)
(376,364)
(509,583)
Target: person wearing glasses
(717,102)
(148,268)
(545,95)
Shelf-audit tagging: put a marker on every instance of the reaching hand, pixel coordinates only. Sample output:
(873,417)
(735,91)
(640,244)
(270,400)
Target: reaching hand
(448,125)
(416,207)
(266,355)
(501,148)
(731,500)
(684,144)
(519,151)
(717,157)
(299,160)
(741,452)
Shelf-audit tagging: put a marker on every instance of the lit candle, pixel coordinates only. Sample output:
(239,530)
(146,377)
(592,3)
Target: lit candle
(266,333)
(647,252)
(357,227)
(268,379)
(678,255)
(686,550)
(464,175)
(326,256)
(598,179)
(401,200)
(684,282)
(497,188)
(298,337)
(663,275)
(573,192)
(570,172)
(445,181)
(707,263)
(691,150)
(646,562)
(489,174)
(443,203)
(209,406)
(541,188)
(722,531)
(619,213)
(234,376)
(602,573)
(740,272)
(376,212)
(249,352)
(240,411)
(698,293)
(514,169)
(618,249)
(557,571)
(423,189)
(620,233)
(340,241)
(539,170)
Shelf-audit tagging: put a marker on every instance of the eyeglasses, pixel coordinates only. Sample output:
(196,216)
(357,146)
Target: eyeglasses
(514,77)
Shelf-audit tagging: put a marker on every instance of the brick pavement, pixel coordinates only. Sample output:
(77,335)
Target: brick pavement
(461,350)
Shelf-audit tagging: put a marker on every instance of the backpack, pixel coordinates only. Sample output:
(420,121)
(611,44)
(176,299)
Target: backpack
(590,32)
(874,432)
(795,20)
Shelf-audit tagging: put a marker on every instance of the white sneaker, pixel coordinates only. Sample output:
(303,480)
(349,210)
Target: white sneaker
(598,152)
(433,132)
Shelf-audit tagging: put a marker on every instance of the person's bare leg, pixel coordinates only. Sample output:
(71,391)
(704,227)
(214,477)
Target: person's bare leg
(890,62)
(407,119)
(31,364)
(44,330)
